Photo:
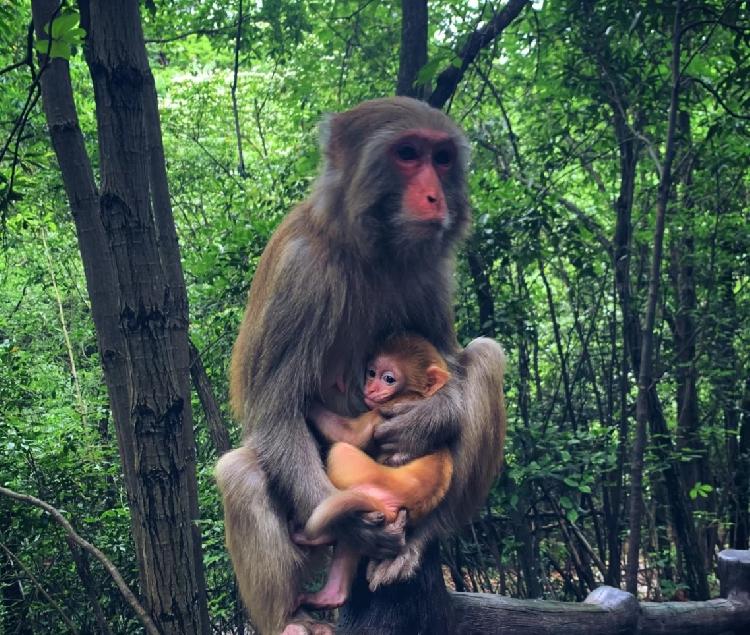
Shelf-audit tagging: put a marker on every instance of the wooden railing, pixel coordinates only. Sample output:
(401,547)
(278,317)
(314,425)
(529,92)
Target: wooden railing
(606,611)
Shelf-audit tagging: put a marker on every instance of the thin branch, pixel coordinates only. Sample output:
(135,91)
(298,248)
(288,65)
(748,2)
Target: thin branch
(216,427)
(57,516)
(217,31)
(64,326)
(238,132)
(14,66)
(448,80)
(28,58)
(506,118)
(718,98)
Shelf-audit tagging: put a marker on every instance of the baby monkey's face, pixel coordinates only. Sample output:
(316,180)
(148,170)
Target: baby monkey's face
(384,380)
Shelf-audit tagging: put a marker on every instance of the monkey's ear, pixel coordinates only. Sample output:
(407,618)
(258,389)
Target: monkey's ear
(436,379)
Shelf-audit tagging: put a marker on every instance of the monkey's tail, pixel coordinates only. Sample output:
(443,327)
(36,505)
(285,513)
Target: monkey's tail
(339,505)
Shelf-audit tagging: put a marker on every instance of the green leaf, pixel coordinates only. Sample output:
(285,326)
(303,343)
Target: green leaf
(63,23)
(77,34)
(58,48)
(701,490)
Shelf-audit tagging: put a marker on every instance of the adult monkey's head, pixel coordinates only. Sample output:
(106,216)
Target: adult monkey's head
(394,178)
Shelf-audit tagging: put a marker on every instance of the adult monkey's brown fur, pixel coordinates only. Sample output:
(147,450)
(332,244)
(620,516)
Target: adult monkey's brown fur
(368,254)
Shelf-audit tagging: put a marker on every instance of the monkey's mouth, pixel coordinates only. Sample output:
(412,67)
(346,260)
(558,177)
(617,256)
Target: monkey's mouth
(371,403)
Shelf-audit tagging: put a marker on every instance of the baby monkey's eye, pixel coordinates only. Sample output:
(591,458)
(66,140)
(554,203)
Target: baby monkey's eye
(371,373)
(388,378)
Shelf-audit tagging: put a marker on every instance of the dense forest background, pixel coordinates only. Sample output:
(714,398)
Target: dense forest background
(611,200)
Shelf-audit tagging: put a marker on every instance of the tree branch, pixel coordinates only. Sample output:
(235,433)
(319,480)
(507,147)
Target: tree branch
(448,80)
(718,98)
(84,544)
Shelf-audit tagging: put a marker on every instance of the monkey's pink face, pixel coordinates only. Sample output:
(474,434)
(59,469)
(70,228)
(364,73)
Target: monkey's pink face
(424,158)
(383,380)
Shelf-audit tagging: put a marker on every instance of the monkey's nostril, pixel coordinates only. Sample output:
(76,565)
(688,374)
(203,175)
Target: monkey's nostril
(431,199)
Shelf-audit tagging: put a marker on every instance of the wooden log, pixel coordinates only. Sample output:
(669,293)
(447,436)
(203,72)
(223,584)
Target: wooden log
(606,610)
(609,611)
(729,614)
(422,605)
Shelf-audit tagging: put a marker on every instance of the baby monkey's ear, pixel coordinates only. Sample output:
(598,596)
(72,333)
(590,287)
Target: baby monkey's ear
(436,379)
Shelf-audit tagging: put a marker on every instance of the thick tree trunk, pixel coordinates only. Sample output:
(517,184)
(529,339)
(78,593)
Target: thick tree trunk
(138,301)
(693,466)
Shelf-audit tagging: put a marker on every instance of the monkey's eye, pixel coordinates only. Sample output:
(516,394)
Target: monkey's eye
(407,152)
(371,373)
(443,157)
(389,379)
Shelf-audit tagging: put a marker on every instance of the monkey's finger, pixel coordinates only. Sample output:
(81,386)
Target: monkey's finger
(397,459)
(373,518)
(401,518)
(378,542)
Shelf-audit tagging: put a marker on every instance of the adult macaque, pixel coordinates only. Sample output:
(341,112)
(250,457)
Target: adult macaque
(406,367)
(369,253)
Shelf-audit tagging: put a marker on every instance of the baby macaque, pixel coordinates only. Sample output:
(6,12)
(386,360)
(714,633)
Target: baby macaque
(405,368)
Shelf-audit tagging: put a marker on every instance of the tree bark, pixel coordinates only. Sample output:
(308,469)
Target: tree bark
(138,300)
(742,474)
(217,429)
(483,291)
(413,54)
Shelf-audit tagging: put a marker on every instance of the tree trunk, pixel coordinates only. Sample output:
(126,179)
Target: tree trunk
(413,48)
(613,498)
(483,291)
(693,467)
(138,301)
(216,427)
(645,377)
